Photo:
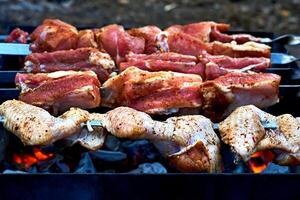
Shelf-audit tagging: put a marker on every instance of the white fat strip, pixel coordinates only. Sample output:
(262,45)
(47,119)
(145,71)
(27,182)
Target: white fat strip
(103,59)
(60,74)
(246,46)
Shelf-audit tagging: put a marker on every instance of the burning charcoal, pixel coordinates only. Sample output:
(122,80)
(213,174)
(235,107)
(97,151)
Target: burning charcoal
(109,171)
(150,168)
(240,168)
(276,169)
(44,166)
(109,156)
(140,151)
(61,165)
(112,143)
(85,165)
(55,164)
(3,142)
(51,148)
(295,169)
(9,171)
(32,169)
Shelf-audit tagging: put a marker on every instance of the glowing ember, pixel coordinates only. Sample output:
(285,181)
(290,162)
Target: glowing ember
(260,160)
(27,160)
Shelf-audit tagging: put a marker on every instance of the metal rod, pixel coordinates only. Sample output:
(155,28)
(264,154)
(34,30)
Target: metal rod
(1,119)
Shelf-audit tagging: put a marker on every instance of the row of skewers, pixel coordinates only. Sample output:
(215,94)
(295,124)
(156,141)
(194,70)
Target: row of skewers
(188,142)
(195,66)
(189,69)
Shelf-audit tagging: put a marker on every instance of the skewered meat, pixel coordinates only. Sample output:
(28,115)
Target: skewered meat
(82,59)
(17,35)
(164,65)
(168,56)
(186,44)
(244,132)
(191,39)
(152,92)
(35,126)
(211,31)
(53,35)
(91,138)
(58,91)
(86,38)
(117,42)
(222,95)
(189,142)
(155,39)
(163,92)
(249,49)
(217,65)
(164,62)
(207,66)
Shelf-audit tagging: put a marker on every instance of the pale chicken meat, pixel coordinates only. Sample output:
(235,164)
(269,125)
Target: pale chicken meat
(90,137)
(188,142)
(35,126)
(243,130)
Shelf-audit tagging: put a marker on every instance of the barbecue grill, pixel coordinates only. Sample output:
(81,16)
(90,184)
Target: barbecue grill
(134,169)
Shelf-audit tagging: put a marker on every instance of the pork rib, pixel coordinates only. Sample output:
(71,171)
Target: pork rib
(17,35)
(81,59)
(211,31)
(152,92)
(184,43)
(206,65)
(155,40)
(117,42)
(53,35)
(162,92)
(58,91)
(222,95)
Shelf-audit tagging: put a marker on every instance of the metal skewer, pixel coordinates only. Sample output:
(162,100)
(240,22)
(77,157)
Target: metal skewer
(287,39)
(96,123)
(23,50)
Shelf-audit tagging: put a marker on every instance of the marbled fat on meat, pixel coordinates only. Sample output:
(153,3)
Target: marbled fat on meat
(61,90)
(82,59)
